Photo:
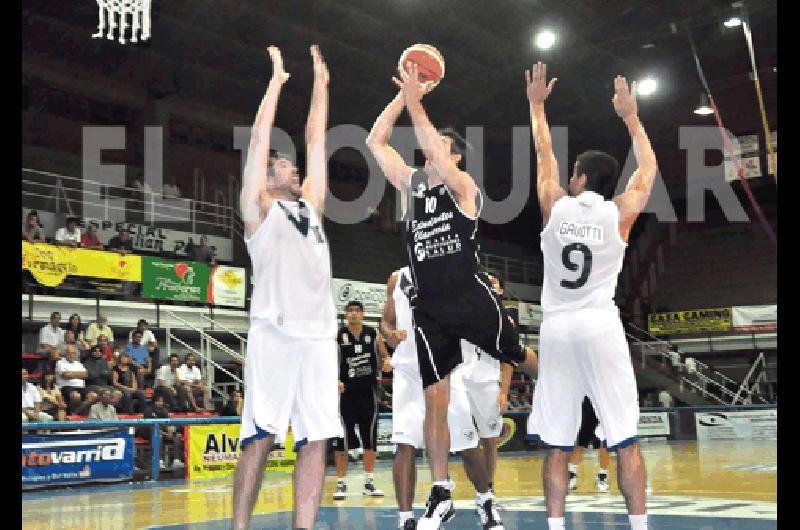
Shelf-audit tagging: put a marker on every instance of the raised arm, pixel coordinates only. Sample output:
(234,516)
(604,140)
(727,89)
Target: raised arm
(459,182)
(548,188)
(389,329)
(632,201)
(254,201)
(397,172)
(316,183)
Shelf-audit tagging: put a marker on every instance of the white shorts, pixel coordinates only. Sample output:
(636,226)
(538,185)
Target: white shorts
(289,380)
(408,412)
(484,408)
(584,353)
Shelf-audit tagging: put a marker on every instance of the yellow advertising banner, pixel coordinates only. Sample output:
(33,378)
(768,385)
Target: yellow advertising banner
(213,451)
(51,264)
(694,321)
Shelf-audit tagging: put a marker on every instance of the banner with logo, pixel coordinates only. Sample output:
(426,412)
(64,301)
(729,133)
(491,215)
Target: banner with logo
(737,425)
(145,238)
(372,295)
(653,424)
(76,457)
(513,437)
(755,318)
(213,451)
(175,280)
(227,286)
(50,265)
(694,321)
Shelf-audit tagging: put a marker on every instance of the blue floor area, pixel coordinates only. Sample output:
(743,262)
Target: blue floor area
(386,519)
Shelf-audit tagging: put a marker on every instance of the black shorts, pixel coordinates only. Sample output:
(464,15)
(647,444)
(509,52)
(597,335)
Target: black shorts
(474,314)
(589,422)
(358,408)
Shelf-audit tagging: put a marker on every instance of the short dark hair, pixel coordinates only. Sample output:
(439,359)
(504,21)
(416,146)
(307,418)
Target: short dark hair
(601,170)
(499,280)
(72,220)
(171,355)
(54,313)
(354,303)
(142,321)
(274,156)
(188,354)
(459,146)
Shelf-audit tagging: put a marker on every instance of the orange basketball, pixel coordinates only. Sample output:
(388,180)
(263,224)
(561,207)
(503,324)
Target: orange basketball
(429,61)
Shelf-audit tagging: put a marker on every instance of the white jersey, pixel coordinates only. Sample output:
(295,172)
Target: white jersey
(479,366)
(583,254)
(292,272)
(405,355)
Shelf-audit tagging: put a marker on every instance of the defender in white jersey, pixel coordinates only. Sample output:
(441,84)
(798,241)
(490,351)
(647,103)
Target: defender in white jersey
(408,405)
(291,366)
(582,346)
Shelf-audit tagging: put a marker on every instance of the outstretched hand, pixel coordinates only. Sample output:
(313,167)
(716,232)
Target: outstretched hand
(537,88)
(413,89)
(278,73)
(624,101)
(320,67)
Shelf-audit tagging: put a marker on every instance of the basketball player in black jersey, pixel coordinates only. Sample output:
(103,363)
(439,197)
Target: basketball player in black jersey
(453,300)
(359,349)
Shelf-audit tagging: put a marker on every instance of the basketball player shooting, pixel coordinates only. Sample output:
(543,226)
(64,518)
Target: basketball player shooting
(453,299)
(292,364)
(581,340)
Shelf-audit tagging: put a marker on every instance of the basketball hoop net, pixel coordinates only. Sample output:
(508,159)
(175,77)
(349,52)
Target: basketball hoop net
(110,10)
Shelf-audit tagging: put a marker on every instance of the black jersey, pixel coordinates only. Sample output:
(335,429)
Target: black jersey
(440,240)
(358,360)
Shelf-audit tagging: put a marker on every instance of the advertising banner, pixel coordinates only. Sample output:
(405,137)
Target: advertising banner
(50,264)
(653,424)
(227,286)
(694,321)
(175,280)
(76,457)
(213,451)
(737,425)
(755,318)
(372,295)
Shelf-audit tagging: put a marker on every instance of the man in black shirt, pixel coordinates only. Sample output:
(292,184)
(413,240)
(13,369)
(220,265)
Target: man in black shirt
(359,347)
(121,243)
(100,378)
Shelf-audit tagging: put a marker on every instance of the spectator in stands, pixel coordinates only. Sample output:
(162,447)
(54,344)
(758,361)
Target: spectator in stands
(140,357)
(169,434)
(32,402)
(515,402)
(51,338)
(202,252)
(104,410)
(148,339)
(234,405)
(691,365)
(121,243)
(108,351)
(675,359)
(52,400)
(168,384)
(32,231)
(190,376)
(665,399)
(189,248)
(70,236)
(124,379)
(384,399)
(100,327)
(71,377)
(101,377)
(89,239)
(69,340)
(74,325)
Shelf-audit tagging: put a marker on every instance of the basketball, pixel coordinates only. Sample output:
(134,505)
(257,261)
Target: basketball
(429,61)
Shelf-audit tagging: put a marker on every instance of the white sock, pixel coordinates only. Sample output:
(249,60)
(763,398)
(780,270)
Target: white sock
(402,517)
(368,477)
(573,468)
(603,472)
(340,480)
(555,523)
(483,497)
(638,522)
(443,483)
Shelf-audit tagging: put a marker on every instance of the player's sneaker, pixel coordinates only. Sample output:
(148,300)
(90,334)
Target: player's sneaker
(490,517)
(573,481)
(341,491)
(371,490)
(410,524)
(439,509)
(602,483)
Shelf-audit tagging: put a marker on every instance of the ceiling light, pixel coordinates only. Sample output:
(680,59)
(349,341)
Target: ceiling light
(703,109)
(545,39)
(646,87)
(732,22)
